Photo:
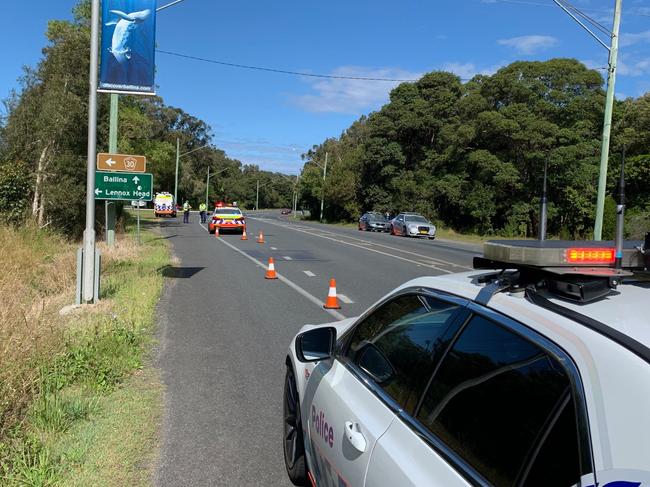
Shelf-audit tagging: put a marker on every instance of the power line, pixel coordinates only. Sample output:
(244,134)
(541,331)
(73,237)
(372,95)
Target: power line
(282,71)
(586,9)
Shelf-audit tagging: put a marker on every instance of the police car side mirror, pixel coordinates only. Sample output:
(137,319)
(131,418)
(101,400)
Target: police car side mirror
(315,345)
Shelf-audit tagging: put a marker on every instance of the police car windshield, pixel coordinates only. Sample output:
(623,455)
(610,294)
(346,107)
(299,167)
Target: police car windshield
(226,211)
(376,217)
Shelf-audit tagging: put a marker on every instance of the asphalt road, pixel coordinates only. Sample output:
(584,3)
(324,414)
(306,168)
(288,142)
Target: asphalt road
(225,331)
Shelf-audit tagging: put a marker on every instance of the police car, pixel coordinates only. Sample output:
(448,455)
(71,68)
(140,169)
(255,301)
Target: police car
(531,370)
(227,218)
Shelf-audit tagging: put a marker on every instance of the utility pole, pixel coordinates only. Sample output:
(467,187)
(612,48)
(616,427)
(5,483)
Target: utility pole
(88,266)
(322,199)
(295,197)
(607,124)
(109,206)
(257,198)
(207,186)
(178,158)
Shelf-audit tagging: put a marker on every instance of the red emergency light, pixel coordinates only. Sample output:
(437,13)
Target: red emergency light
(590,255)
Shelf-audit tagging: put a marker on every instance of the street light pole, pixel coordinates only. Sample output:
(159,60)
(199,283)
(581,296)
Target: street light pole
(607,123)
(88,267)
(178,158)
(207,186)
(322,199)
(573,12)
(257,197)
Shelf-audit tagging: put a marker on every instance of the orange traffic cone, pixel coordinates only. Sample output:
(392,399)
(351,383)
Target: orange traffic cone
(260,239)
(216,231)
(243,235)
(270,273)
(332,301)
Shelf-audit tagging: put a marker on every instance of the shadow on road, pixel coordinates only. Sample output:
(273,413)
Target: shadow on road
(179,272)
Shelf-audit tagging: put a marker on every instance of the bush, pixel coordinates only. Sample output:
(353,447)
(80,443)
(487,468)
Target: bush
(15,189)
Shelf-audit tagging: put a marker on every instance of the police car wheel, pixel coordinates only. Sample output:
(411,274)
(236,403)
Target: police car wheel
(294,447)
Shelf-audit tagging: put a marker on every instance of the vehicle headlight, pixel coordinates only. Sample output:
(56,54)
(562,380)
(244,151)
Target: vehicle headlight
(413,228)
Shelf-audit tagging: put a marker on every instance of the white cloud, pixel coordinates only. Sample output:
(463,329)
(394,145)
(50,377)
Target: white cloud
(467,71)
(638,67)
(529,44)
(348,95)
(635,38)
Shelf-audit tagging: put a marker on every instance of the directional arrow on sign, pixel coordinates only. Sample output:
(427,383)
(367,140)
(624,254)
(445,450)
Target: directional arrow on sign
(98,191)
(110,162)
(136,180)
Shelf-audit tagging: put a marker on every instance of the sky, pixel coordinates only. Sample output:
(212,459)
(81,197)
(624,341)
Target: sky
(270,119)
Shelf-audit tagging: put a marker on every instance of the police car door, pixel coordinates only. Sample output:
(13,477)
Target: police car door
(377,373)
(504,407)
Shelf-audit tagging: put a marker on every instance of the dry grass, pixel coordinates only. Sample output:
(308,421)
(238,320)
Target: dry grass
(37,280)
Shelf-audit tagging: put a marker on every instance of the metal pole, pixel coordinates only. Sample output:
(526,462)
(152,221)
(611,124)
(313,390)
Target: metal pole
(89,233)
(257,198)
(543,209)
(620,215)
(607,124)
(178,158)
(207,185)
(109,206)
(139,241)
(322,198)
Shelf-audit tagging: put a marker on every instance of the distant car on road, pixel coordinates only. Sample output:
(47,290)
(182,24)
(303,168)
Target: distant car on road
(227,218)
(285,212)
(373,221)
(163,205)
(412,225)
(528,371)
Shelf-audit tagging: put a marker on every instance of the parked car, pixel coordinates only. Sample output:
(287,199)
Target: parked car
(372,221)
(412,225)
(285,211)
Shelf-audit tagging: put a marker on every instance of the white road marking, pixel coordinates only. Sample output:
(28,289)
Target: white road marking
(310,273)
(286,257)
(289,283)
(273,248)
(294,227)
(345,299)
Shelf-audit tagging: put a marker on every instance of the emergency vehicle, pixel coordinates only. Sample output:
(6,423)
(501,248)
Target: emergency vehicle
(227,218)
(531,370)
(164,205)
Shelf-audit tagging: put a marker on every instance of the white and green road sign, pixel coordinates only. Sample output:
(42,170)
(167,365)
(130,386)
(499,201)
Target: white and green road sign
(123,186)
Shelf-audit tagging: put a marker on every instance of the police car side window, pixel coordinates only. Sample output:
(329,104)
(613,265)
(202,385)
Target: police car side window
(504,405)
(396,345)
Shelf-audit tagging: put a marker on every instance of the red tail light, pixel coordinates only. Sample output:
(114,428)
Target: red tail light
(590,255)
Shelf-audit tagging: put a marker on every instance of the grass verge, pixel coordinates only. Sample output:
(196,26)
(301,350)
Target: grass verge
(84,406)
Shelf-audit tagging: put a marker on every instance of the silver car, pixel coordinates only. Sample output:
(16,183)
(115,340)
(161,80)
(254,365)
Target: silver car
(412,225)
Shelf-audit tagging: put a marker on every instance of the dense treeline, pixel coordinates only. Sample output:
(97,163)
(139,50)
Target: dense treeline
(44,135)
(471,156)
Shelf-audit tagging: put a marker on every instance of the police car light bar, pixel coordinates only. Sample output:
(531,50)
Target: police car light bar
(553,254)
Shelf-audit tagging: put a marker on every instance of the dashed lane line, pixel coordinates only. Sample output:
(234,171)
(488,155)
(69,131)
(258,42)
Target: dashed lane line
(286,257)
(323,233)
(310,273)
(364,248)
(288,282)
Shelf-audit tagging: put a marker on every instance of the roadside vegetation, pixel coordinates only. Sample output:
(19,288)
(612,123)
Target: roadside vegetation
(470,156)
(78,403)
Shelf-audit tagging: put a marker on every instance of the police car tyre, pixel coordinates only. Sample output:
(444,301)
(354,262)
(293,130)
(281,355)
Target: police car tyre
(292,439)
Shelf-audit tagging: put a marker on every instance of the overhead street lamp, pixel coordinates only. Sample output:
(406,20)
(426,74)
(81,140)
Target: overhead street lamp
(178,158)
(609,99)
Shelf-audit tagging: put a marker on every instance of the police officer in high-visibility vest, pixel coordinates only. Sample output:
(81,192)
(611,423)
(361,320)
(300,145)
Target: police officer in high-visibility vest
(186,211)
(203,208)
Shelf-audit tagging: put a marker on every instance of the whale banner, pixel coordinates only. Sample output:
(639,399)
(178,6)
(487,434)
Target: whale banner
(128,47)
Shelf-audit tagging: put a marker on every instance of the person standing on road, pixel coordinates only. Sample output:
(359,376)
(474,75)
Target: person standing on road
(203,208)
(186,211)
